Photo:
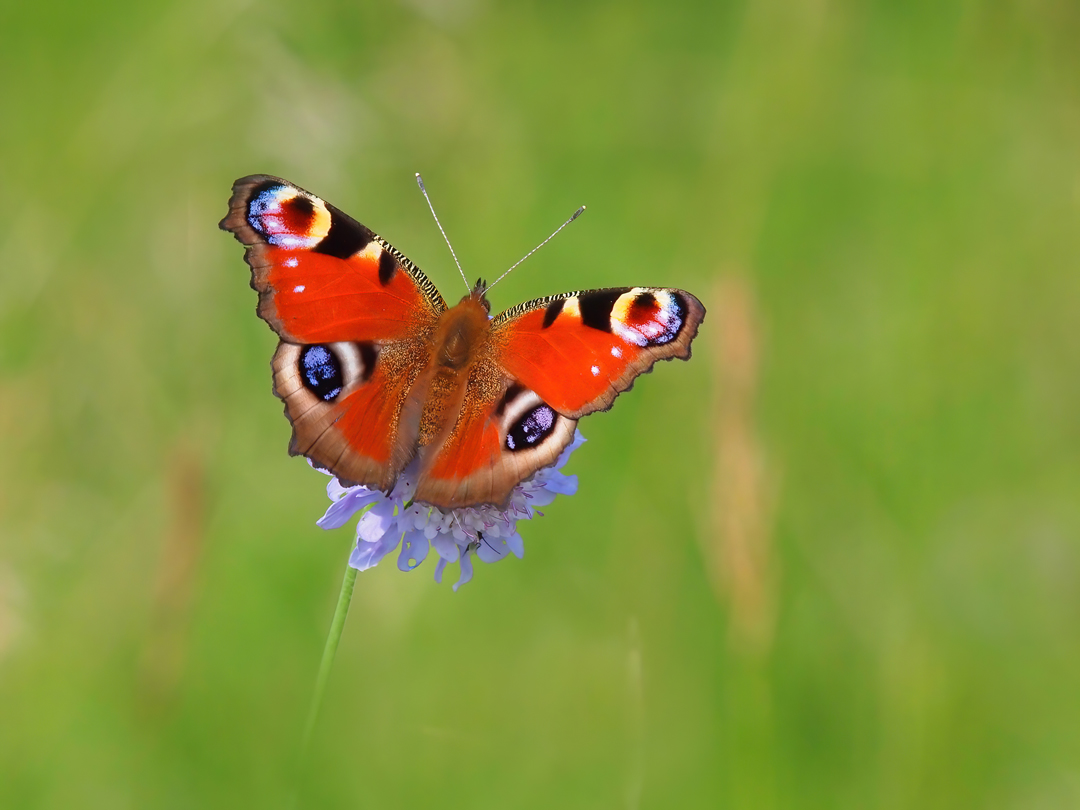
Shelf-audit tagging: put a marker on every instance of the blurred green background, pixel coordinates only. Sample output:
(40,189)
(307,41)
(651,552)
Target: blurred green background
(832,562)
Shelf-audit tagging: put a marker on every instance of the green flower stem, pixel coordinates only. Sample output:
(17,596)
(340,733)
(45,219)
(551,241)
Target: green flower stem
(336,626)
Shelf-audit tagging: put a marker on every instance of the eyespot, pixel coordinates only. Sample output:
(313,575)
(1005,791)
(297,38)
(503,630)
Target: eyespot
(321,372)
(531,429)
(287,217)
(658,317)
(649,317)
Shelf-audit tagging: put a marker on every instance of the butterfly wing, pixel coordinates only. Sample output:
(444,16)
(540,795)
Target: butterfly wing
(551,361)
(578,351)
(503,434)
(354,317)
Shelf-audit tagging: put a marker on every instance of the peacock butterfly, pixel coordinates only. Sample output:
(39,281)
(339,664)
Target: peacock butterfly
(375,369)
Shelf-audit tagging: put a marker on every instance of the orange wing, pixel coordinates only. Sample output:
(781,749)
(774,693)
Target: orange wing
(552,361)
(496,443)
(355,319)
(580,350)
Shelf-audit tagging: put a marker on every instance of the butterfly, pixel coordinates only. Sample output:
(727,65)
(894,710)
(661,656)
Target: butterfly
(375,369)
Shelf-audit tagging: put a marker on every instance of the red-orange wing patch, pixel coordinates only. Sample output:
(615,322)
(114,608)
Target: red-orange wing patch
(578,351)
(321,275)
(503,434)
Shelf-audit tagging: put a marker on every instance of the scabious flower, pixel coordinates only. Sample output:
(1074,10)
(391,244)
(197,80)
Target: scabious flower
(456,535)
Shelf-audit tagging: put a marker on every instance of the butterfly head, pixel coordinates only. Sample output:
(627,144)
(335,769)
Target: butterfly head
(479,294)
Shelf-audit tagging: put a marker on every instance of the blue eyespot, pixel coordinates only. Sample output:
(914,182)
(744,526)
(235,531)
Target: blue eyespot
(531,429)
(321,372)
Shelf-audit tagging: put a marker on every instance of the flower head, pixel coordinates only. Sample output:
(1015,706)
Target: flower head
(456,535)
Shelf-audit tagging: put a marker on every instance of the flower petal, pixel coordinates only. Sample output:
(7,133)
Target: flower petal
(466,570)
(446,548)
(440,566)
(368,555)
(376,522)
(414,548)
(341,510)
(492,549)
(564,456)
(541,497)
(516,545)
(562,484)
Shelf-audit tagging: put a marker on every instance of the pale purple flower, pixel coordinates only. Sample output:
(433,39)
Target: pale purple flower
(455,535)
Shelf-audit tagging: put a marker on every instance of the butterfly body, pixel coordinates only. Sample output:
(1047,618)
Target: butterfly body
(375,370)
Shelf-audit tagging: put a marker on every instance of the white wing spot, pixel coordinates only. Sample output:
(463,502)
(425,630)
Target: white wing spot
(290,262)
(298,288)
(596,371)
(616,351)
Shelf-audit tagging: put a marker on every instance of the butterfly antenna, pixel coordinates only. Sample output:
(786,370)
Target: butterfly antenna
(420,182)
(575,215)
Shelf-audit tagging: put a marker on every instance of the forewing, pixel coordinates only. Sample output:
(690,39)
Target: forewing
(321,275)
(353,315)
(578,351)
